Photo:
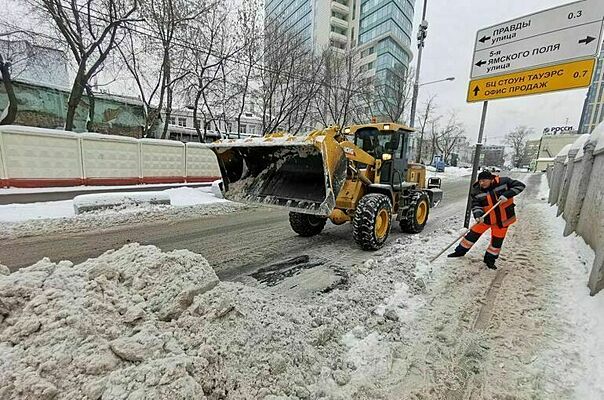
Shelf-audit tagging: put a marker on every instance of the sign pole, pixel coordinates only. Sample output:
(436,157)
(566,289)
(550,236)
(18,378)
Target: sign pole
(476,163)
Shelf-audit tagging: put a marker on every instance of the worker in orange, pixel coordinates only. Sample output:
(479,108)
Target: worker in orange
(486,192)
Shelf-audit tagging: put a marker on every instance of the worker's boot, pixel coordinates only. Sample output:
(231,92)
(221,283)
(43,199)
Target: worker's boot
(489,260)
(459,252)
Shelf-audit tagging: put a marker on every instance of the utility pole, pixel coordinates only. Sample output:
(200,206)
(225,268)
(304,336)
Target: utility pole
(476,163)
(422,33)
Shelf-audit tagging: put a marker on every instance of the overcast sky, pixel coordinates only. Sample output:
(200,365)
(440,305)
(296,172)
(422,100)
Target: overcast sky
(448,52)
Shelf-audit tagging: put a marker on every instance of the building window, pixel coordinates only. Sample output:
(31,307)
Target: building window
(182,122)
(172,120)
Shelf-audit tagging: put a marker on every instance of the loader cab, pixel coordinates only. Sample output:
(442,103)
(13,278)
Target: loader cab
(393,144)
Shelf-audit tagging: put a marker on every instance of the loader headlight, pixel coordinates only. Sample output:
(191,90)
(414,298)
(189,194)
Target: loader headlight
(386,127)
(386,156)
(346,130)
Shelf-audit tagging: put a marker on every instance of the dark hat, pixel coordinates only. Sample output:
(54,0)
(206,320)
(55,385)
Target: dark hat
(485,175)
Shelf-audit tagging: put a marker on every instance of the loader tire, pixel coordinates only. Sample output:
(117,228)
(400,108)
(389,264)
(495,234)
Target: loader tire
(306,224)
(372,221)
(417,215)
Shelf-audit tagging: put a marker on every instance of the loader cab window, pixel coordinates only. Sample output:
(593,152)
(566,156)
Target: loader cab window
(377,143)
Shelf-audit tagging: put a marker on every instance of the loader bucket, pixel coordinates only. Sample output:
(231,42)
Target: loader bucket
(298,175)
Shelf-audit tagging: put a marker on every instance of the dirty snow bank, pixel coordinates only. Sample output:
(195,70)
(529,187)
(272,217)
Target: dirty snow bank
(178,197)
(101,328)
(20,220)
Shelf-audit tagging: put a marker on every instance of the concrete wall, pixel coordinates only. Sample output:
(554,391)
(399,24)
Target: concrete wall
(200,161)
(577,188)
(43,157)
(162,161)
(110,160)
(35,157)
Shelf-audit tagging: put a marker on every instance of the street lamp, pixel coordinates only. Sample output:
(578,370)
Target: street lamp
(421,38)
(451,78)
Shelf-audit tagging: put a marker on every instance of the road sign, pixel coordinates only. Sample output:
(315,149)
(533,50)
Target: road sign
(569,32)
(572,43)
(536,24)
(553,78)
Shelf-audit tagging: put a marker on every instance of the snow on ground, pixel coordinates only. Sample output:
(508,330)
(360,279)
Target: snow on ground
(450,172)
(159,325)
(17,220)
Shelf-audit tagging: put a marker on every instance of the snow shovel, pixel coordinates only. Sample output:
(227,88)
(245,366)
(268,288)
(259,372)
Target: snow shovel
(463,234)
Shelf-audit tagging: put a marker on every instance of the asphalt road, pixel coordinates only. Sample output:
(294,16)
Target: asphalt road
(252,242)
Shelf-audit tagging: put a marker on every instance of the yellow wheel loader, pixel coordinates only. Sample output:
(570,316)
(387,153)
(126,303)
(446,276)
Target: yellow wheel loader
(359,174)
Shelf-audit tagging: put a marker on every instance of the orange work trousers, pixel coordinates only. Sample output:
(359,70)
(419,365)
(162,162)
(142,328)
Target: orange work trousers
(497,237)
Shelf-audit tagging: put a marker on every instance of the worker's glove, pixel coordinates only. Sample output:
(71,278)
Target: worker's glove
(479,220)
(503,199)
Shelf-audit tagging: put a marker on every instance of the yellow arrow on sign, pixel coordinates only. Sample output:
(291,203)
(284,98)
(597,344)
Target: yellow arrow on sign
(572,75)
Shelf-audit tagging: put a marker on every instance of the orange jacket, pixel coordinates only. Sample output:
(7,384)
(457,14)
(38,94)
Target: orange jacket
(483,199)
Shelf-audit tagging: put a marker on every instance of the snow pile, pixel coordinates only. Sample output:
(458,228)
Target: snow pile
(94,329)
(147,324)
(97,201)
(450,172)
(18,220)
(178,197)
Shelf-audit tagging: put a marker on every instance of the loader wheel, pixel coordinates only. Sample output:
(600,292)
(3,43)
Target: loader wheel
(306,224)
(417,215)
(372,221)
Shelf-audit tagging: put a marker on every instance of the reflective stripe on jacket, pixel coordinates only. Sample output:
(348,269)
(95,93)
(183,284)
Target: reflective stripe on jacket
(483,199)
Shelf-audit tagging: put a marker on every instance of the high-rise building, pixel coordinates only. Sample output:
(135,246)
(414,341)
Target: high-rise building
(384,36)
(379,30)
(593,108)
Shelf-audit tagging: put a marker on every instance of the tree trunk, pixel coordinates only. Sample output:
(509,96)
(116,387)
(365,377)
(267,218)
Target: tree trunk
(195,121)
(418,158)
(74,97)
(168,86)
(169,98)
(11,115)
(91,105)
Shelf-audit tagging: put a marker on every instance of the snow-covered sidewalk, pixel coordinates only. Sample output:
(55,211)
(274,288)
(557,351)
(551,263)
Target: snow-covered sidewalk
(529,330)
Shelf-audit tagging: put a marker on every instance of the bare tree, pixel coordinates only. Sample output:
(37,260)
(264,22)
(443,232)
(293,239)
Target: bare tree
(449,136)
(341,88)
(139,56)
(516,139)
(250,23)
(167,19)
(393,94)
(426,115)
(212,45)
(90,28)
(288,81)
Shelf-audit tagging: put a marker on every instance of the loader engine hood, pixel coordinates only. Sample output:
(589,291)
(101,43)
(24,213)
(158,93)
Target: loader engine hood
(300,174)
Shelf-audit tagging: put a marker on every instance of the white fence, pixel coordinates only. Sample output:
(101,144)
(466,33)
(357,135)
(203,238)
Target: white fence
(35,157)
(576,182)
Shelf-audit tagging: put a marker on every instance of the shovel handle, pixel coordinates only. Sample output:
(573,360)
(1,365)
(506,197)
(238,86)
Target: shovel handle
(463,234)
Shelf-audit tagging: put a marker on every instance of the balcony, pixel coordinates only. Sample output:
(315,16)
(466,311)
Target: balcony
(338,37)
(340,6)
(341,23)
